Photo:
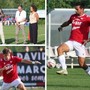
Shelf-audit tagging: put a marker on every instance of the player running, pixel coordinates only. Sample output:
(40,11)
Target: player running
(8,67)
(78,38)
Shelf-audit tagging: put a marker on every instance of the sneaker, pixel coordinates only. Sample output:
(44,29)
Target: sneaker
(62,72)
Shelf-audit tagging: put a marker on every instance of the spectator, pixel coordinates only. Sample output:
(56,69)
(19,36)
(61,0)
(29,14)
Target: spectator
(1,26)
(20,21)
(33,26)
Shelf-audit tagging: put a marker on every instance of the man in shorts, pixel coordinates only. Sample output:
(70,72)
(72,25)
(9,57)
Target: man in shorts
(78,38)
(8,68)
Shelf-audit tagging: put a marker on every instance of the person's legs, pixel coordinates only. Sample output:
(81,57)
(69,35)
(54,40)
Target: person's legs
(23,33)
(2,33)
(5,86)
(21,87)
(83,65)
(81,53)
(35,33)
(18,84)
(61,49)
(30,30)
(81,61)
(17,31)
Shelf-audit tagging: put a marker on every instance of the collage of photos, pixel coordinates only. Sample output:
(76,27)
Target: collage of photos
(44,44)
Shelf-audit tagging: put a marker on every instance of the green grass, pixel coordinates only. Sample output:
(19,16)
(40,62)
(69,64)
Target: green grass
(30,88)
(76,80)
(9,33)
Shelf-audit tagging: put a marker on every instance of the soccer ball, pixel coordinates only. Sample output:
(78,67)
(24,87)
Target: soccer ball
(51,63)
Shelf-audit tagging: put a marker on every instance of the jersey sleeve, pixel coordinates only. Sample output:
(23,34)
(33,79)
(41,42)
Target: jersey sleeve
(88,19)
(1,65)
(17,59)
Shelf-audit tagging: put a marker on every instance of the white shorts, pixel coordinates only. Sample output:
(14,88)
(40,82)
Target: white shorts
(15,83)
(78,47)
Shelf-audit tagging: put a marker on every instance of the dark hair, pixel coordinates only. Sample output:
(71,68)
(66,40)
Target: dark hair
(20,6)
(34,7)
(80,4)
(6,51)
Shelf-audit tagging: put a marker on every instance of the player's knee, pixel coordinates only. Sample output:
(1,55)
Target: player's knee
(59,50)
(21,87)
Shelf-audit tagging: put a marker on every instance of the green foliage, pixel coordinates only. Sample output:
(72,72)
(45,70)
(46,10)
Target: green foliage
(26,3)
(65,3)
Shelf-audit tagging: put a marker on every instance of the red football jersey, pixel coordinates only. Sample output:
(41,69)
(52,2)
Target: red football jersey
(11,73)
(80,27)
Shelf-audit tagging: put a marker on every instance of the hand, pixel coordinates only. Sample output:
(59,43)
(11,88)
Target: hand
(86,41)
(37,62)
(18,23)
(5,68)
(60,29)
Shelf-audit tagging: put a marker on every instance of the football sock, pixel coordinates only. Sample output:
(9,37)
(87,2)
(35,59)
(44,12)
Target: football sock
(85,68)
(88,69)
(62,62)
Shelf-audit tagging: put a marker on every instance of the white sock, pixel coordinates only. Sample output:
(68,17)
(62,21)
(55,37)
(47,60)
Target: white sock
(88,69)
(62,62)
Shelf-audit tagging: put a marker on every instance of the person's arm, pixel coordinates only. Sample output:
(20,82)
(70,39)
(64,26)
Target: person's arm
(24,17)
(30,62)
(63,25)
(86,41)
(2,69)
(37,16)
(16,18)
(1,14)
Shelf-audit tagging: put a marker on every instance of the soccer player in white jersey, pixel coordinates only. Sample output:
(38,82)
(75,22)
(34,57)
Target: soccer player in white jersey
(77,40)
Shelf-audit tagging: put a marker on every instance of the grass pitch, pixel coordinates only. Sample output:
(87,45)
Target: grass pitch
(9,33)
(76,80)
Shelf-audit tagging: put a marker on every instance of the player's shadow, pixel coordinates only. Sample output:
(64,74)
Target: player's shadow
(41,42)
(9,41)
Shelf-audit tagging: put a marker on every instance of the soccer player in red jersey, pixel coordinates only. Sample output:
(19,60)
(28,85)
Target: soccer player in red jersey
(8,68)
(78,38)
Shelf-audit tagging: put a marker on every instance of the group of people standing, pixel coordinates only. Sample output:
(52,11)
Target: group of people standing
(20,18)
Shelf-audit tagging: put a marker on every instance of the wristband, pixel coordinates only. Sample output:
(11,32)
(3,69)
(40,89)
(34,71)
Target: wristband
(33,62)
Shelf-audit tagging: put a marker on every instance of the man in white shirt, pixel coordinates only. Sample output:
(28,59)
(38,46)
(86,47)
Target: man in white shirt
(20,18)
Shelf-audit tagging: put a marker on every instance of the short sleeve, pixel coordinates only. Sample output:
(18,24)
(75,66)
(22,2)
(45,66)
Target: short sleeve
(1,65)
(16,59)
(88,19)
(24,14)
(16,15)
